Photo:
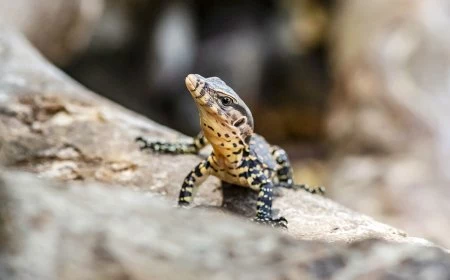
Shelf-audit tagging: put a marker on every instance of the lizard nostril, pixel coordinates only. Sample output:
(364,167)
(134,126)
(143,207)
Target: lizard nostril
(239,122)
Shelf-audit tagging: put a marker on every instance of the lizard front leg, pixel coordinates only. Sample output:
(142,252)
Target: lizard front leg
(197,144)
(259,181)
(197,176)
(264,208)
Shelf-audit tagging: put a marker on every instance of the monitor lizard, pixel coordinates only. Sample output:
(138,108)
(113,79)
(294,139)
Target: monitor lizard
(239,155)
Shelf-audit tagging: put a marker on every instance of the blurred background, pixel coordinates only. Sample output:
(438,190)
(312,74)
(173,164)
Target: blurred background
(357,92)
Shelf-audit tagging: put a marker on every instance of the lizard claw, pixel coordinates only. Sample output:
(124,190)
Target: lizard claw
(313,189)
(140,139)
(280,222)
(184,204)
(143,144)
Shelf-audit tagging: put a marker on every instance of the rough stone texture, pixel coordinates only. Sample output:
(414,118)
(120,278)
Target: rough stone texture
(57,129)
(58,28)
(59,230)
(389,123)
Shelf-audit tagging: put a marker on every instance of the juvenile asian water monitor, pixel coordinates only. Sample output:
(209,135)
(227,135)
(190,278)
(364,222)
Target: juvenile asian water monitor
(239,155)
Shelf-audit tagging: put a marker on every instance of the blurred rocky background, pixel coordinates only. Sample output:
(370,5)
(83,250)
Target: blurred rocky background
(271,52)
(60,29)
(389,121)
(104,210)
(356,91)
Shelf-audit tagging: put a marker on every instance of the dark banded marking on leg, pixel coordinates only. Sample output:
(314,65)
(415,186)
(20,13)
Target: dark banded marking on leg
(264,203)
(200,141)
(264,206)
(283,169)
(192,181)
(174,148)
(310,189)
(284,173)
(259,181)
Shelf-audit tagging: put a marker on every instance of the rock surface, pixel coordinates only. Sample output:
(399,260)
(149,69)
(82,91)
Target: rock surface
(56,129)
(59,230)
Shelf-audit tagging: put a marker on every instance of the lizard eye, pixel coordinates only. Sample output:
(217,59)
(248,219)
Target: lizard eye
(226,101)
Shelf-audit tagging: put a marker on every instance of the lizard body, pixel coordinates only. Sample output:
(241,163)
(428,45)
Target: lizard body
(239,155)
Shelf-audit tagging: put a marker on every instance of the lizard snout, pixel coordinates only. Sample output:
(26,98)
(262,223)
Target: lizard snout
(191,82)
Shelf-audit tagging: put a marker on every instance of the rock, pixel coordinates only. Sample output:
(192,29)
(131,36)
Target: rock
(54,128)
(60,230)
(58,28)
(389,123)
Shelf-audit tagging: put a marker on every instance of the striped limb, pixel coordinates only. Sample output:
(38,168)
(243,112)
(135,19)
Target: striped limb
(257,179)
(284,173)
(305,187)
(283,169)
(197,176)
(198,143)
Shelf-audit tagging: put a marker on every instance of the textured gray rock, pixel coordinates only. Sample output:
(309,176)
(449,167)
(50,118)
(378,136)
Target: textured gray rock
(60,230)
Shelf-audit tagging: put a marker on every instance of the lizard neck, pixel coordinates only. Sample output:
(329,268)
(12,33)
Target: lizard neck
(227,143)
(229,156)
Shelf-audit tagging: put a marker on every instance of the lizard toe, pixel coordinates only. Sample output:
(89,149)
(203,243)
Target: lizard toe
(279,222)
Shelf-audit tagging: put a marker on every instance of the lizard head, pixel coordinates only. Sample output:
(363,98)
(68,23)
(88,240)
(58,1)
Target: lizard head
(224,117)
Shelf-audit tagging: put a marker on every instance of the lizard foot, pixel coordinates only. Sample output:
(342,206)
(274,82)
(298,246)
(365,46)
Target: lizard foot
(153,146)
(143,144)
(310,189)
(313,190)
(184,204)
(280,222)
